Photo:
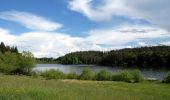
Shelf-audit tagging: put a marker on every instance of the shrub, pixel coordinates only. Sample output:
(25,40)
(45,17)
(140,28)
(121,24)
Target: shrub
(134,76)
(72,76)
(103,75)
(53,74)
(122,76)
(8,62)
(137,76)
(34,74)
(14,63)
(87,74)
(167,78)
(26,63)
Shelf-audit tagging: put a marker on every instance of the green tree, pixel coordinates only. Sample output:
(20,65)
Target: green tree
(26,62)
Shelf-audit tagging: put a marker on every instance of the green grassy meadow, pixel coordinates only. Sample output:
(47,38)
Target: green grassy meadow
(13,87)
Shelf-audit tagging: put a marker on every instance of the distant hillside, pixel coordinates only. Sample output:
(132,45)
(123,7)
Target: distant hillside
(145,56)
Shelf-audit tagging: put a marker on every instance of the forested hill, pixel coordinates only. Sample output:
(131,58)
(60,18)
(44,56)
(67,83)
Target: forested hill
(144,56)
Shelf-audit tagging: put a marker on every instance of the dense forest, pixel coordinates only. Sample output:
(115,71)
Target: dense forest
(13,62)
(46,60)
(156,56)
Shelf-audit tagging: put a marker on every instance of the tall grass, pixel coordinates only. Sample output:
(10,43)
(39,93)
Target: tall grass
(137,76)
(103,75)
(133,76)
(13,87)
(167,78)
(53,74)
(122,76)
(87,74)
(72,75)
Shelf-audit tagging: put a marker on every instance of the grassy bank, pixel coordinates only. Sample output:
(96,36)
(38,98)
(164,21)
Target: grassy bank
(27,88)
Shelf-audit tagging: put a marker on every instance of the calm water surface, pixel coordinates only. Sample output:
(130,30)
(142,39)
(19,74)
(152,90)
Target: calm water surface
(148,73)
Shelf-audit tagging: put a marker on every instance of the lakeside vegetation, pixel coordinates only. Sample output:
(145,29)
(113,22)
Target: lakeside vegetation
(133,76)
(27,88)
(167,78)
(13,62)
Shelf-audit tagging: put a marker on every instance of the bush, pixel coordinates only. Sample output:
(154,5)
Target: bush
(87,74)
(137,76)
(8,62)
(122,76)
(53,74)
(134,76)
(26,63)
(14,63)
(167,78)
(103,75)
(72,76)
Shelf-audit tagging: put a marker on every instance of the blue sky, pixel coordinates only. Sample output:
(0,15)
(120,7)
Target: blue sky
(57,10)
(52,28)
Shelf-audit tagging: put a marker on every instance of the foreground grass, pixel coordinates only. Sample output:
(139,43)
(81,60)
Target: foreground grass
(26,88)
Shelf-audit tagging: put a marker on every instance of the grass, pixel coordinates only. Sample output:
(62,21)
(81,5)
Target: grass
(27,88)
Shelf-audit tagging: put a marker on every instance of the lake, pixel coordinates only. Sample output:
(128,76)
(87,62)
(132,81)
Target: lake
(147,72)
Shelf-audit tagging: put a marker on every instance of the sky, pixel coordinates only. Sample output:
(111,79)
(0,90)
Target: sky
(53,28)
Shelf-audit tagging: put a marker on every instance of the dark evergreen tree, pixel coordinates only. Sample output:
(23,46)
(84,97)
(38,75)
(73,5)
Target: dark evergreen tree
(157,56)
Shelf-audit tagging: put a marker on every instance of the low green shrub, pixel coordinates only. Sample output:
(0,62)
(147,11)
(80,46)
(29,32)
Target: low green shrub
(122,76)
(72,76)
(103,75)
(86,74)
(34,74)
(133,76)
(53,74)
(167,78)
(137,76)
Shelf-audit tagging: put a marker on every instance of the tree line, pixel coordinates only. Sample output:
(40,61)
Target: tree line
(156,56)
(5,48)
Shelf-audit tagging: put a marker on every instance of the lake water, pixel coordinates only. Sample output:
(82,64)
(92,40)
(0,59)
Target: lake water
(147,73)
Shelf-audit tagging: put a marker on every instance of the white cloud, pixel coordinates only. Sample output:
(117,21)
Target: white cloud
(30,21)
(155,11)
(5,36)
(166,43)
(52,44)
(104,11)
(44,42)
(122,35)
(142,44)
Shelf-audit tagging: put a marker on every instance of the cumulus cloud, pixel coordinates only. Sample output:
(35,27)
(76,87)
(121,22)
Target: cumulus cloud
(43,41)
(30,21)
(125,34)
(166,43)
(5,36)
(155,11)
(53,44)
